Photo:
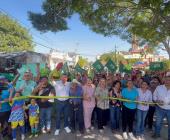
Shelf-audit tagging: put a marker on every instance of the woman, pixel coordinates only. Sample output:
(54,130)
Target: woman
(145,95)
(88,103)
(101,94)
(76,106)
(115,105)
(129,109)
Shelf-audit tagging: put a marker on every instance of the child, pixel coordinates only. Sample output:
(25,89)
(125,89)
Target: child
(17,117)
(33,117)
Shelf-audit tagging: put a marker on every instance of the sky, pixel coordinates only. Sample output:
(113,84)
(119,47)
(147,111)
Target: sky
(79,38)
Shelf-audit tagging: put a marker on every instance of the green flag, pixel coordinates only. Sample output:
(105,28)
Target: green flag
(125,68)
(98,66)
(111,66)
(156,66)
(79,69)
(65,68)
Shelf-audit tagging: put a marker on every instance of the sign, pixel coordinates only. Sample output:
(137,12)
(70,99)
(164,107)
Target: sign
(111,66)
(156,66)
(98,66)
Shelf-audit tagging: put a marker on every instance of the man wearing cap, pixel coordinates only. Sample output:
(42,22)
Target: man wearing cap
(162,97)
(76,106)
(62,88)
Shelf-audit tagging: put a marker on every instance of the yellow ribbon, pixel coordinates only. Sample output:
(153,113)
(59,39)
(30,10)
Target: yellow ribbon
(76,97)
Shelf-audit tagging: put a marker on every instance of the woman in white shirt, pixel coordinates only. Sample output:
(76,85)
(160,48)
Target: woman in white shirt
(144,95)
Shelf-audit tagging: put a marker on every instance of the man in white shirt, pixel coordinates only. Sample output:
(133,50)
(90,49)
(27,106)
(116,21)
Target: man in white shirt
(62,88)
(162,97)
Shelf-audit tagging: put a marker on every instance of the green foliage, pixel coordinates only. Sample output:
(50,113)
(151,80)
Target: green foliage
(148,19)
(166,65)
(133,61)
(13,37)
(115,58)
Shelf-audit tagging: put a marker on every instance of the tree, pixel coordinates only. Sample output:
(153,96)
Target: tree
(13,37)
(148,19)
(114,57)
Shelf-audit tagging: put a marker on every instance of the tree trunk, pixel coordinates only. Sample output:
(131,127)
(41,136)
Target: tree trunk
(167,46)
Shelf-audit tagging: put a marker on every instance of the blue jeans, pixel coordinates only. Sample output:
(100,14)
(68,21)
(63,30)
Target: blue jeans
(160,115)
(45,117)
(62,107)
(114,117)
(141,115)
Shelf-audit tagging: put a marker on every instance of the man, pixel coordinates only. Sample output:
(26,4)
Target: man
(162,97)
(155,81)
(62,88)
(45,105)
(26,86)
(76,106)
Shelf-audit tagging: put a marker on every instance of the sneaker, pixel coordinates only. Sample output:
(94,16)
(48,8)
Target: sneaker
(88,130)
(138,138)
(30,136)
(131,136)
(92,128)
(36,135)
(43,131)
(125,136)
(78,134)
(142,137)
(68,130)
(56,132)
(22,137)
(101,131)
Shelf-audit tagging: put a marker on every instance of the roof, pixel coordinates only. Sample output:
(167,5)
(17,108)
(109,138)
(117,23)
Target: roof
(16,54)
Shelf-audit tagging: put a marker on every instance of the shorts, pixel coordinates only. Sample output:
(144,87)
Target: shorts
(15,124)
(33,120)
(4,117)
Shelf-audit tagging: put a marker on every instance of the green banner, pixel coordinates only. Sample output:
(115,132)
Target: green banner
(98,66)
(111,66)
(79,69)
(156,66)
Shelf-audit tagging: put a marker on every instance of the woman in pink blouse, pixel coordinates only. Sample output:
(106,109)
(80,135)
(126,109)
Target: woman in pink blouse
(88,103)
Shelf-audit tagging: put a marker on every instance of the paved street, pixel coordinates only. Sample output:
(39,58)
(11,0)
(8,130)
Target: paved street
(95,135)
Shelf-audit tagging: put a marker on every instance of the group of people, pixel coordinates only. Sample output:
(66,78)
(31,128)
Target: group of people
(121,102)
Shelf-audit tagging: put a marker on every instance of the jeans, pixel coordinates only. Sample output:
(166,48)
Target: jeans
(149,117)
(45,117)
(62,107)
(160,115)
(102,117)
(141,115)
(114,117)
(128,116)
(76,117)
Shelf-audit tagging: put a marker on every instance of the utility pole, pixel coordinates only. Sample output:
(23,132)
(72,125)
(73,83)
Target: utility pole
(115,55)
